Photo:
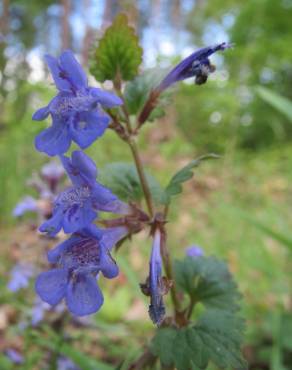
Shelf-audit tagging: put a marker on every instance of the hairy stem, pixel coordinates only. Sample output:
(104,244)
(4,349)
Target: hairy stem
(118,89)
(142,176)
(135,152)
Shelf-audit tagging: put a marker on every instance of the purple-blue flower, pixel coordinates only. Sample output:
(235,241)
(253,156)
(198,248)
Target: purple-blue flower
(77,206)
(156,308)
(194,251)
(77,109)
(20,276)
(79,260)
(65,363)
(195,65)
(27,204)
(15,356)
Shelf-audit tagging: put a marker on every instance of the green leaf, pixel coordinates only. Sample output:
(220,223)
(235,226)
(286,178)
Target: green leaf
(277,101)
(118,54)
(216,338)
(137,92)
(174,186)
(207,280)
(122,178)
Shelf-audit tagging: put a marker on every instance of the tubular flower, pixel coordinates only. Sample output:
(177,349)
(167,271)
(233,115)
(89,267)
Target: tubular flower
(156,288)
(77,206)
(76,111)
(79,261)
(195,65)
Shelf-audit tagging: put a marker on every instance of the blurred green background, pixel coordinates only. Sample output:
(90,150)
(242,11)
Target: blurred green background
(237,207)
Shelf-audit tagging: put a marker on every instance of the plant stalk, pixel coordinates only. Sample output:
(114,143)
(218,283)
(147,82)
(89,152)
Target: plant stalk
(142,176)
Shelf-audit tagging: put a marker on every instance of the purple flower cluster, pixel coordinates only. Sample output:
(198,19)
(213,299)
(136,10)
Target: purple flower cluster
(77,116)
(76,111)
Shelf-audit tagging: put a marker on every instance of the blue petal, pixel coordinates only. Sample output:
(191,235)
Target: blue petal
(54,140)
(92,231)
(73,69)
(54,224)
(90,126)
(51,285)
(106,99)
(81,169)
(55,254)
(111,236)
(103,198)
(84,296)
(41,113)
(77,217)
(108,266)
(114,206)
(86,167)
(61,83)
